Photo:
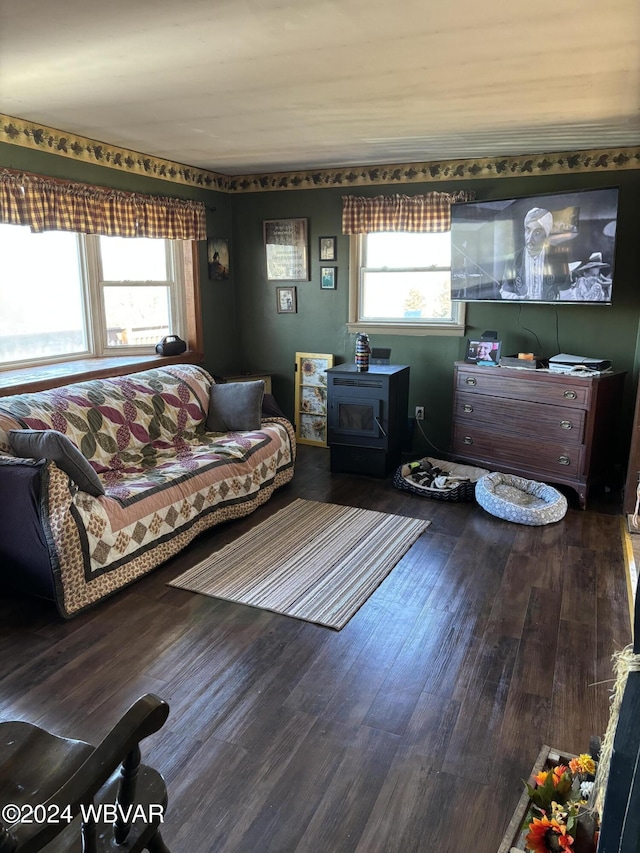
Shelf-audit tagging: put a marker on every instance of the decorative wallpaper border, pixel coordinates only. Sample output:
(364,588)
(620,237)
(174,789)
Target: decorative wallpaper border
(20,132)
(597,160)
(17,131)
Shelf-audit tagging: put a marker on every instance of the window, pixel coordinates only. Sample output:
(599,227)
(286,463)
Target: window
(65,295)
(400,284)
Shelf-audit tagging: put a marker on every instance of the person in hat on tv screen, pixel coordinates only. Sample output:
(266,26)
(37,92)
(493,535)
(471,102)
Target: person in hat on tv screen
(536,271)
(591,284)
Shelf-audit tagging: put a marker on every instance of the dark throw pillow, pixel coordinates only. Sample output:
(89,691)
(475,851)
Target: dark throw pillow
(270,408)
(235,406)
(50,444)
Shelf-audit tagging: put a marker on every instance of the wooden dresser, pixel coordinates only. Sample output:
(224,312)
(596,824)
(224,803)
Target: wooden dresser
(543,426)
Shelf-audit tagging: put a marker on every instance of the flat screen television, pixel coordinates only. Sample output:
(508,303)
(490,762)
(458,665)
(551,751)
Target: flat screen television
(553,248)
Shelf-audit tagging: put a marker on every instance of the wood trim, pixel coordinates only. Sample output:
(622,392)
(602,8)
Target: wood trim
(30,379)
(193,314)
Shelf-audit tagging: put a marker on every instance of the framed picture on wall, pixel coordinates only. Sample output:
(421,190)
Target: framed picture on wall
(327,248)
(328,278)
(286,302)
(286,243)
(218,258)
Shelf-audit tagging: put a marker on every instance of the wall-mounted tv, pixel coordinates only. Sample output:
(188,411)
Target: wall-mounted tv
(555,248)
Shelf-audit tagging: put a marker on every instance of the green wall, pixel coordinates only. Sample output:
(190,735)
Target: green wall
(243,331)
(217,298)
(268,340)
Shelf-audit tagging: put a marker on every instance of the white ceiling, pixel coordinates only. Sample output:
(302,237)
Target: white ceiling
(248,86)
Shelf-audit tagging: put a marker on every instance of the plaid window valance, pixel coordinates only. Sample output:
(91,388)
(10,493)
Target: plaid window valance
(418,213)
(46,204)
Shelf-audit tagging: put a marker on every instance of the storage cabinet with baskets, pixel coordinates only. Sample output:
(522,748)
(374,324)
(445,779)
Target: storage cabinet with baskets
(557,428)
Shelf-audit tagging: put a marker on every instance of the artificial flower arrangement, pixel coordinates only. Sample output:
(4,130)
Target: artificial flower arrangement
(559,820)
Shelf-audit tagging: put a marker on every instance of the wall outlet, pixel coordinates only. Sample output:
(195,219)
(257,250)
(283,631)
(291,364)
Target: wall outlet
(419,413)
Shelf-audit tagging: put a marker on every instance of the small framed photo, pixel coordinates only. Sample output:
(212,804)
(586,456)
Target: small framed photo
(327,248)
(218,258)
(328,278)
(286,301)
(484,353)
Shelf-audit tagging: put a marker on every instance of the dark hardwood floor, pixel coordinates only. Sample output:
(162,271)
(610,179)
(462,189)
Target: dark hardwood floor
(409,730)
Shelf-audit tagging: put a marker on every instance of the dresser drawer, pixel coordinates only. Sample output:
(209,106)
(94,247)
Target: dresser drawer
(519,385)
(524,417)
(545,458)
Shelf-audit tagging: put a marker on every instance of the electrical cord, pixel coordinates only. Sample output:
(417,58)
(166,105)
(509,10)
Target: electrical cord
(428,440)
(522,326)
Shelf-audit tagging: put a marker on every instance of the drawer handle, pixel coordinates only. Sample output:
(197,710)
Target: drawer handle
(467,440)
(564,460)
(470,380)
(571,395)
(566,424)
(467,407)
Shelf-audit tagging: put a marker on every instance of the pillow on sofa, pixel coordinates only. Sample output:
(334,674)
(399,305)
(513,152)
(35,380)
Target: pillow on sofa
(235,406)
(270,408)
(50,444)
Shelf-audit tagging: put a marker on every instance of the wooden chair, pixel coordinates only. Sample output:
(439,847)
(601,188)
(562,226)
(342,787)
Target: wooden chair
(51,780)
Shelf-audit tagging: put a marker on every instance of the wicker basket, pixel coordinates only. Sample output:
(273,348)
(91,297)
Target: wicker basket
(464,491)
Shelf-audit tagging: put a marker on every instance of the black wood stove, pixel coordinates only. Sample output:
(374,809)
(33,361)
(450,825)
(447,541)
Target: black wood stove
(367,417)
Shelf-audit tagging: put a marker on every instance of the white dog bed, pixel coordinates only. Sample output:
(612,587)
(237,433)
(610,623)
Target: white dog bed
(519,500)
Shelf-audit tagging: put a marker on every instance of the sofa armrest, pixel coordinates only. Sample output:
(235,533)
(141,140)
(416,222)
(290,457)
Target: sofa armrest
(24,554)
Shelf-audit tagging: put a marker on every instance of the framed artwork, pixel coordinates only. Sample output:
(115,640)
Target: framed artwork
(286,301)
(218,258)
(328,278)
(311,397)
(327,248)
(286,243)
(485,353)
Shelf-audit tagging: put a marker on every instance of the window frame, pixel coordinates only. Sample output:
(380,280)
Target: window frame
(174,280)
(57,374)
(183,283)
(418,327)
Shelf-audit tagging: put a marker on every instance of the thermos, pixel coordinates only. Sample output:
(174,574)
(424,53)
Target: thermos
(363,351)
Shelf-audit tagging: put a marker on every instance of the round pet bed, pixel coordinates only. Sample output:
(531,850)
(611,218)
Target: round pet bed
(519,500)
(454,482)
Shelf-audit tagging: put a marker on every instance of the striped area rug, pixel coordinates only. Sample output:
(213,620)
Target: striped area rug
(313,561)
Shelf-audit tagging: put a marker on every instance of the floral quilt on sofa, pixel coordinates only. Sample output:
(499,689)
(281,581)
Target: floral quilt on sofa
(165,478)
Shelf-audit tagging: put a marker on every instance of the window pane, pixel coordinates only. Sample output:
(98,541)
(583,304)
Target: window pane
(129,259)
(136,316)
(406,296)
(401,249)
(41,308)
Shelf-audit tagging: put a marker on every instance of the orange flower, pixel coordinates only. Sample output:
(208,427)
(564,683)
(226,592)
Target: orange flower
(558,773)
(582,764)
(545,835)
(541,777)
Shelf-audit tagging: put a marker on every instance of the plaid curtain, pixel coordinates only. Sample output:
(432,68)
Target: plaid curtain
(431,212)
(49,205)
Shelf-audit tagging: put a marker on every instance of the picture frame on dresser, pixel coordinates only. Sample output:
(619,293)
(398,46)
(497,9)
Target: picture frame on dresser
(485,353)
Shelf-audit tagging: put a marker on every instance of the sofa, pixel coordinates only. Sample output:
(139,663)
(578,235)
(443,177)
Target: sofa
(103,480)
